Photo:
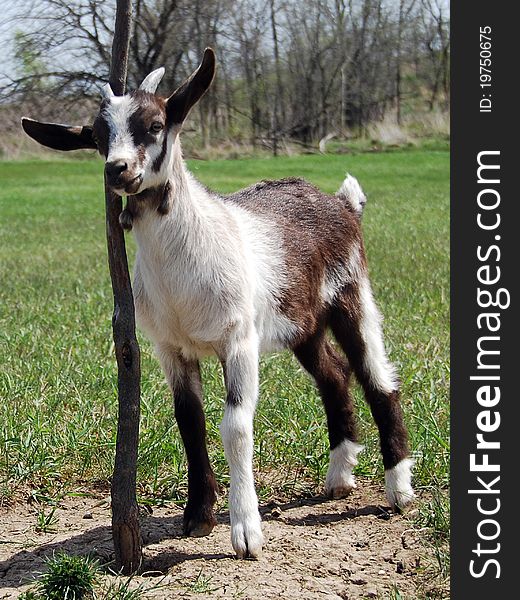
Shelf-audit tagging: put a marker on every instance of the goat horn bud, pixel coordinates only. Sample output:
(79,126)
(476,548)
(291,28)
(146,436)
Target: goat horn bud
(152,80)
(106,91)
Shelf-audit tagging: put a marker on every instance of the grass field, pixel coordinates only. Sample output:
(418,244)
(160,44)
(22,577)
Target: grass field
(58,376)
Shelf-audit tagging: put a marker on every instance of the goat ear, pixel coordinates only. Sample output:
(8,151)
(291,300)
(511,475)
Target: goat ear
(59,137)
(191,91)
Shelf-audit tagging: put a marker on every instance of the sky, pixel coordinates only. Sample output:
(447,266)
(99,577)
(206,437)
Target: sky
(14,17)
(8,11)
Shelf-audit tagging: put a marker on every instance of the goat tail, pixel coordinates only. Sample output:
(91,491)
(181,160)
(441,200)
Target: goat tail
(351,191)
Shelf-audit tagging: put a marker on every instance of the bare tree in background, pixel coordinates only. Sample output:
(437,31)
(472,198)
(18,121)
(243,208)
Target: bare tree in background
(247,30)
(288,69)
(405,9)
(437,42)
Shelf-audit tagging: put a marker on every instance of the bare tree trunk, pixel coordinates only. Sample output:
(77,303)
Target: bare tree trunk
(398,61)
(253,99)
(343,99)
(125,512)
(202,108)
(277,105)
(228,97)
(404,14)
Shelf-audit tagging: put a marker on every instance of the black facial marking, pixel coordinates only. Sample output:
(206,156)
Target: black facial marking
(157,163)
(150,112)
(101,133)
(164,205)
(156,198)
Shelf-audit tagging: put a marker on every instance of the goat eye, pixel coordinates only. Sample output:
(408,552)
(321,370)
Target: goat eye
(156,127)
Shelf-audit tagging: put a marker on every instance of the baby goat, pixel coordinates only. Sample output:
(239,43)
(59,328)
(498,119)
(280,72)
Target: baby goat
(271,266)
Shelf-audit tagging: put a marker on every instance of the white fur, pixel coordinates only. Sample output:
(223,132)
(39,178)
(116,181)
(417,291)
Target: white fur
(215,251)
(263,253)
(208,275)
(117,114)
(341,274)
(381,371)
(351,189)
(237,435)
(340,479)
(398,483)
(121,144)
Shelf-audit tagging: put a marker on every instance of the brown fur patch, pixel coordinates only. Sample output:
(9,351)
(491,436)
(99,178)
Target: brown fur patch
(385,407)
(151,108)
(319,233)
(157,163)
(331,373)
(101,131)
(189,414)
(157,198)
(126,219)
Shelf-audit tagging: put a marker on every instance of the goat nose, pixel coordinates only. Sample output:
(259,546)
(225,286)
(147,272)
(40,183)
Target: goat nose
(114,168)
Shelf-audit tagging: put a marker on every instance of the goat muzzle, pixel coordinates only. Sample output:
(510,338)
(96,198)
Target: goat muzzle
(120,178)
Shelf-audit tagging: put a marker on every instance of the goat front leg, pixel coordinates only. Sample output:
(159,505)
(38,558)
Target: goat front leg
(241,374)
(185,382)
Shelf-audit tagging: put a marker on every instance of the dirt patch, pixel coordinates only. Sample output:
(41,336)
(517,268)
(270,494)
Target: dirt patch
(315,548)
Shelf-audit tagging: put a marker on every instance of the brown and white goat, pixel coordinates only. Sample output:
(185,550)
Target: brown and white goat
(271,266)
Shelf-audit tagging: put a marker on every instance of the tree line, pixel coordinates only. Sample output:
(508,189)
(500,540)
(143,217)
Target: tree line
(298,70)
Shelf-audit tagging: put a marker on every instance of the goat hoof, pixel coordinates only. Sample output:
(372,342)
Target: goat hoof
(247,539)
(339,483)
(341,491)
(199,525)
(201,529)
(398,480)
(340,480)
(400,499)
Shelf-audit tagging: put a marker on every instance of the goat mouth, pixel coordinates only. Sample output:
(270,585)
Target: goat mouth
(130,187)
(133,186)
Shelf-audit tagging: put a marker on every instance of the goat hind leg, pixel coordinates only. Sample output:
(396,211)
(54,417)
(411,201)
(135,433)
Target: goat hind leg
(356,324)
(185,382)
(331,373)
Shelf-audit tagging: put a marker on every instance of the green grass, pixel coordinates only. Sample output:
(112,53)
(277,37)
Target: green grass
(58,376)
(70,577)
(66,577)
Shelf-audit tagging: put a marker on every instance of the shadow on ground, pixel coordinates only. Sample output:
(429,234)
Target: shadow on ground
(19,569)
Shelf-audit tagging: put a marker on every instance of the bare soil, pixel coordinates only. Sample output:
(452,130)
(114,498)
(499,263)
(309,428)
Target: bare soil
(315,548)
